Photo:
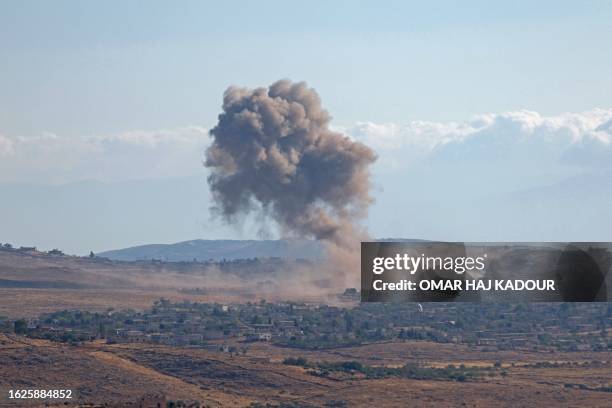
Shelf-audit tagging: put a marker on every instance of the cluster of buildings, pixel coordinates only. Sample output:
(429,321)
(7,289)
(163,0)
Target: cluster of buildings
(553,326)
(29,250)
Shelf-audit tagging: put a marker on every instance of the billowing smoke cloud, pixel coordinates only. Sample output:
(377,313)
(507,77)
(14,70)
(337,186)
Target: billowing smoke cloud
(273,152)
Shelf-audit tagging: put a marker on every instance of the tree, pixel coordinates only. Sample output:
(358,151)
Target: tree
(21,327)
(91,254)
(102,331)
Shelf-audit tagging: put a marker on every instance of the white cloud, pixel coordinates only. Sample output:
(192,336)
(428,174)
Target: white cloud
(124,156)
(416,134)
(188,135)
(6,146)
(511,141)
(583,139)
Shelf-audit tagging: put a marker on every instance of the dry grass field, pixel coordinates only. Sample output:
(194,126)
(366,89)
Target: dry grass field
(118,374)
(43,283)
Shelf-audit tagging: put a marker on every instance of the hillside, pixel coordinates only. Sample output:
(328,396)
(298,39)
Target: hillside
(100,374)
(216,250)
(34,282)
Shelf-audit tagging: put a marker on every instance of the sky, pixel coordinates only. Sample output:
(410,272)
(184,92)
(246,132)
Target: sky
(475,109)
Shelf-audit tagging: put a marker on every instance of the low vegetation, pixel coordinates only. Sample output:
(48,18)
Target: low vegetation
(409,370)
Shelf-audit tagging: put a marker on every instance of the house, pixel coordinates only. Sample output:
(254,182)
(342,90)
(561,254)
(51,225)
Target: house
(187,339)
(129,336)
(214,335)
(487,342)
(259,336)
(161,338)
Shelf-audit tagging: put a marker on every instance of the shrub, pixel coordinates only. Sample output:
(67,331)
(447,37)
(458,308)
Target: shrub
(299,361)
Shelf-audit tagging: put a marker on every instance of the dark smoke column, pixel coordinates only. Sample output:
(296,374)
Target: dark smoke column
(273,151)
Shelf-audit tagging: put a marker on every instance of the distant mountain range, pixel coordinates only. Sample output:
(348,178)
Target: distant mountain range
(203,250)
(454,203)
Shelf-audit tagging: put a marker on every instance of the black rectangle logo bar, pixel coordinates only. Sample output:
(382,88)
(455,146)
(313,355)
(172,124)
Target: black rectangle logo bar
(485,272)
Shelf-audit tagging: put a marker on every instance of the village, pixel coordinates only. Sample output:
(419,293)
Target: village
(231,327)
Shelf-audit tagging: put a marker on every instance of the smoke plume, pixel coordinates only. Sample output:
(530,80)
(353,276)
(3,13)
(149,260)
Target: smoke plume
(273,152)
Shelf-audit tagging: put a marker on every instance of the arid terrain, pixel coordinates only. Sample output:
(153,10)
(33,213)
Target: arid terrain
(102,373)
(33,282)
(118,374)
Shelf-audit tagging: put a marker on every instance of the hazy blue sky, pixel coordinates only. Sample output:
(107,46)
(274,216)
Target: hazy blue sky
(74,68)
(492,120)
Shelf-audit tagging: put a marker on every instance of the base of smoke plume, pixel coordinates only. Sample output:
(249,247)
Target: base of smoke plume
(319,280)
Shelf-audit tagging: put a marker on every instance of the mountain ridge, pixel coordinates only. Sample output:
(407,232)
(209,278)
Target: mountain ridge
(217,250)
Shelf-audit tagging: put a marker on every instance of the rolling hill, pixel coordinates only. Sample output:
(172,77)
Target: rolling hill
(203,250)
